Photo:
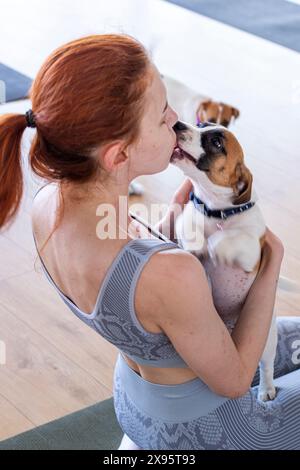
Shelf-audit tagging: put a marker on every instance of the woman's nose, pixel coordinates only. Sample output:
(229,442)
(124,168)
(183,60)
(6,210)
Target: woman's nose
(174,117)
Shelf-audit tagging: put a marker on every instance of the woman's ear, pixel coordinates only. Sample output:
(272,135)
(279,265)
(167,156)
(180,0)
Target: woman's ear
(112,155)
(243,185)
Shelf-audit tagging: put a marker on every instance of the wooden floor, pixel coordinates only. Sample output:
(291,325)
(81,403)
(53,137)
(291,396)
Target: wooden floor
(54,363)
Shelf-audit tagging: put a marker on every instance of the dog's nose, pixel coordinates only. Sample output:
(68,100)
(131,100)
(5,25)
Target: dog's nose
(179,126)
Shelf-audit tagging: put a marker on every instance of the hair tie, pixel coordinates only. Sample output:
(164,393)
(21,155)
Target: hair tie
(30,119)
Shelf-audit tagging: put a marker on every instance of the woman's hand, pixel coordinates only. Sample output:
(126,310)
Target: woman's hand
(273,250)
(181,196)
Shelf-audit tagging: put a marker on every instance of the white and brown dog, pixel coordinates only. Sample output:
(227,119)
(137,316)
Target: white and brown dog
(223,225)
(194,107)
(228,242)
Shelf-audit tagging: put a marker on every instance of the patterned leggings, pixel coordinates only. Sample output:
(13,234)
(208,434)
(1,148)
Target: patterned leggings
(241,423)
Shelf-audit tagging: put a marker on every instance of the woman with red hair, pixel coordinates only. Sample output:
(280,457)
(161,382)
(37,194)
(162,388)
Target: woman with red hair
(100,111)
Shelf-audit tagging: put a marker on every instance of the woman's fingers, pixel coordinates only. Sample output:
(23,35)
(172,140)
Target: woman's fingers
(181,195)
(274,243)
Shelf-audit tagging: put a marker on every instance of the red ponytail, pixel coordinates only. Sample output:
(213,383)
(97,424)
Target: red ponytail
(11,179)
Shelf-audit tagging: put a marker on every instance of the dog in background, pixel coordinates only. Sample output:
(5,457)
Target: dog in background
(193,107)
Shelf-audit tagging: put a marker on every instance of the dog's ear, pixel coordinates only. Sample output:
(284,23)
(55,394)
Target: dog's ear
(235,113)
(243,185)
(203,109)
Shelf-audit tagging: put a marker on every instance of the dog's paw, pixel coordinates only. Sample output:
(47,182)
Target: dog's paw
(217,112)
(234,250)
(247,260)
(266,393)
(221,249)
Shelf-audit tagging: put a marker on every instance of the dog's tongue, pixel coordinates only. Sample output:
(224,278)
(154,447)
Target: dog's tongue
(177,153)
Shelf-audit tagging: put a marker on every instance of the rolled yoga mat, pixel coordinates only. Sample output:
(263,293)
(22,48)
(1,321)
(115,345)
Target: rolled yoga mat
(13,85)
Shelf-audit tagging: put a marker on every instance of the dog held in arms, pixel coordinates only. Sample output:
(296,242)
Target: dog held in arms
(223,225)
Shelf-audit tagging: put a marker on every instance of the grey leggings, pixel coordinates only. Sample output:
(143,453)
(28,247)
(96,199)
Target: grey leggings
(191,416)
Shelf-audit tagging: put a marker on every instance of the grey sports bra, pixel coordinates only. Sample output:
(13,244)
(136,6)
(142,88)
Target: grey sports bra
(114,316)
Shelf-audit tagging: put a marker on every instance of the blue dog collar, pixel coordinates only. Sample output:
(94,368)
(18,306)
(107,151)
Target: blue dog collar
(221,213)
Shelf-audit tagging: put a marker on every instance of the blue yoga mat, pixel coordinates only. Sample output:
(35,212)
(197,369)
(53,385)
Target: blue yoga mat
(13,85)
(275,20)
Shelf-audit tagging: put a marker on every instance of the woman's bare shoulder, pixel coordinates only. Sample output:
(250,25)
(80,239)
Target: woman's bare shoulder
(166,263)
(164,275)
(174,264)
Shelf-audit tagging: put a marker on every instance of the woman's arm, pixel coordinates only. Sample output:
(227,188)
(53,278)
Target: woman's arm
(251,331)
(186,313)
